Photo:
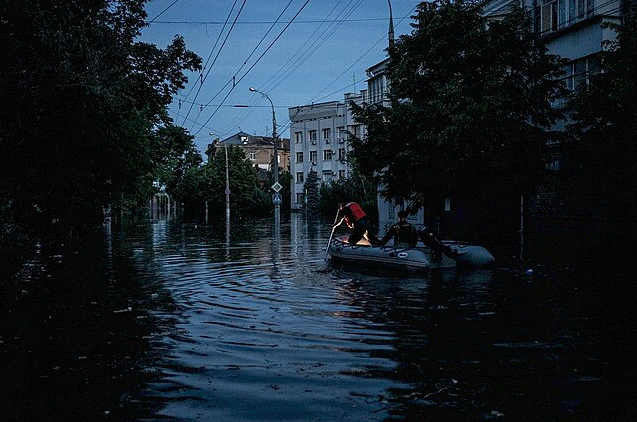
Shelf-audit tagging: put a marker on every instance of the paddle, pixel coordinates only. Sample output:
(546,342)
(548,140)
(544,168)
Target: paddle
(331,235)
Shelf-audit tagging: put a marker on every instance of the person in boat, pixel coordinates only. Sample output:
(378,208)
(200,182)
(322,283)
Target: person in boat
(356,220)
(429,238)
(404,234)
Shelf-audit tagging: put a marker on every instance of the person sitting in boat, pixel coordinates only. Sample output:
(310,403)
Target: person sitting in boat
(355,218)
(403,233)
(429,238)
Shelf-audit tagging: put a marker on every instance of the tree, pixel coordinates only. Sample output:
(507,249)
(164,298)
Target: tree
(604,128)
(242,178)
(469,104)
(84,107)
(311,189)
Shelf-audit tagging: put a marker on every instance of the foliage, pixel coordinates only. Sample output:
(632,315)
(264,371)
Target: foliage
(469,103)
(311,189)
(84,119)
(242,181)
(605,126)
(357,188)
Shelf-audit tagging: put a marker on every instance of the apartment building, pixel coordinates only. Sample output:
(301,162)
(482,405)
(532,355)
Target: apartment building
(319,141)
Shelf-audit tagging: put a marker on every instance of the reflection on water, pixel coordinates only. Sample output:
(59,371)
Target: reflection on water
(184,322)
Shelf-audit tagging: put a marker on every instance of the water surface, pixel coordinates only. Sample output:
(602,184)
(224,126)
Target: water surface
(172,321)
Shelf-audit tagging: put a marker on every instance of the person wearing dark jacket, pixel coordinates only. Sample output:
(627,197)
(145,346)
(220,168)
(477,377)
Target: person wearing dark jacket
(403,233)
(355,218)
(429,238)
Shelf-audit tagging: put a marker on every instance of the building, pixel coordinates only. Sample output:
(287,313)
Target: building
(319,141)
(258,149)
(573,30)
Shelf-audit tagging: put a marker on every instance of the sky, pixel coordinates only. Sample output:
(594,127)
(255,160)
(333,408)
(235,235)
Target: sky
(297,52)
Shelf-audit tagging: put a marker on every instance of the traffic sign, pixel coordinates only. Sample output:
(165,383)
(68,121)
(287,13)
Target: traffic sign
(277,186)
(276,198)
(227,191)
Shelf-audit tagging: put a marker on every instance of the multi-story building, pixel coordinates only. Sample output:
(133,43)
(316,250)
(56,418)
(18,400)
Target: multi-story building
(573,30)
(319,141)
(258,149)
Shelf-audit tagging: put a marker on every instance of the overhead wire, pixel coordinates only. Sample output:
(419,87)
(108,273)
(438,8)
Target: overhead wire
(218,52)
(306,53)
(162,12)
(212,50)
(245,114)
(263,38)
(254,64)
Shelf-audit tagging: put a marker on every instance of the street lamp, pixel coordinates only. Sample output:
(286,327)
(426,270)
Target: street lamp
(277,204)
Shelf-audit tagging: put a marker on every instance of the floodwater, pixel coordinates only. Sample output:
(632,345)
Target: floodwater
(171,321)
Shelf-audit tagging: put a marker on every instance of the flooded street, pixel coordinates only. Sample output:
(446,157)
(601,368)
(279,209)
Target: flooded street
(172,321)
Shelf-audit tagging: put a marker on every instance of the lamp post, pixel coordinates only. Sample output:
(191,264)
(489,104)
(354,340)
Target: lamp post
(277,205)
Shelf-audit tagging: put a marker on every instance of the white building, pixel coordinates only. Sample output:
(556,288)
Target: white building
(319,135)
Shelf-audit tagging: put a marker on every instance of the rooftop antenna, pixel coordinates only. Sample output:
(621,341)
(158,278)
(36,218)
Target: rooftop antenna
(391,27)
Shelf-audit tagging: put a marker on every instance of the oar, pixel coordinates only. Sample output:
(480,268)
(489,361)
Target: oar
(331,235)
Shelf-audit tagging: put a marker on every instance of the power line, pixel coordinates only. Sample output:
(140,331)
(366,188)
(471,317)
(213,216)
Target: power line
(269,22)
(162,12)
(218,52)
(255,63)
(248,111)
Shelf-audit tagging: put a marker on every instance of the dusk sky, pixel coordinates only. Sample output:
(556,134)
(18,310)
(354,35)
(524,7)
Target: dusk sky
(296,51)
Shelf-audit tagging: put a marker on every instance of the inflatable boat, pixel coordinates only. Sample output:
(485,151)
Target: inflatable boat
(418,259)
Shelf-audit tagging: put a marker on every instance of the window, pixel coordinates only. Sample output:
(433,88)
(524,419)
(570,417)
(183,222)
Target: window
(327,133)
(299,157)
(327,176)
(342,155)
(578,72)
(341,174)
(327,155)
(342,133)
(300,198)
(253,156)
(355,130)
(312,136)
(557,14)
(580,9)
(299,177)
(549,16)
(298,137)
(313,156)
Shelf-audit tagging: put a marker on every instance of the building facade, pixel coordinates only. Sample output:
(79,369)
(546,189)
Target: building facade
(319,141)
(258,149)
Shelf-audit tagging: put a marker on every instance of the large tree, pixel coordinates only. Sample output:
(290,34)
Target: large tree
(470,99)
(84,104)
(604,128)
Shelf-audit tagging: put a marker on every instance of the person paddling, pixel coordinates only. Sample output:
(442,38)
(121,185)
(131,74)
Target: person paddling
(354,217)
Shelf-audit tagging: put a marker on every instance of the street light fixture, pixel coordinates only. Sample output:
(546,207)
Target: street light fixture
(277,204)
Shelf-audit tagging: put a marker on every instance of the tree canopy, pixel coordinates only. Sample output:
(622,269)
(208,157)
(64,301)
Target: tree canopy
(469,102)
(604,113)
(84,117)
